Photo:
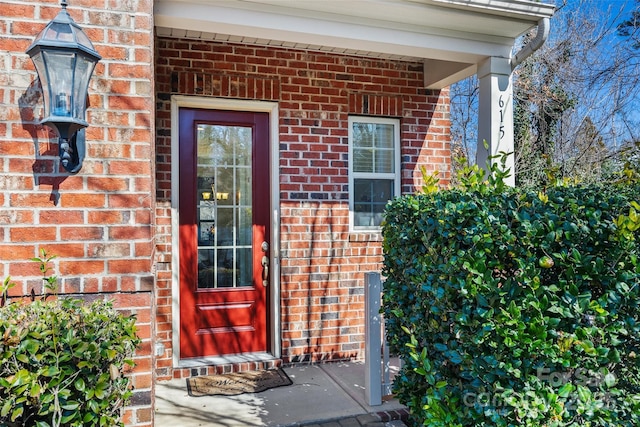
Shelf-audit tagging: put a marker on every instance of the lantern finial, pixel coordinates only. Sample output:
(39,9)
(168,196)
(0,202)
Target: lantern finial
(63,3)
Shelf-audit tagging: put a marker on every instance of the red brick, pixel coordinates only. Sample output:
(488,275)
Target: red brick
(129,266)
(111,150)
(120,87)
(143,249)
(16,216)
(106,217)
(120,167)
(17,149)
(131,201)
(72,183)
(29,234)
(61,217)
(133,103)
(65,250)
(81,267)
(26,28)
(81,233)
(132,301)
(108,250)
(10,252)
(108,184)
(18,11)
(130,233)
(83,200)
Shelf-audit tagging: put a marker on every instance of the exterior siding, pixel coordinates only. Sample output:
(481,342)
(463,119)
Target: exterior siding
(322,263)
(100,222)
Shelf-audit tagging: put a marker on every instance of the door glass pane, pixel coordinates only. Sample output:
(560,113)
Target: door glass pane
(244,226)
(206,271)
(224,268)
(244,255)
(224,186)
(224,206)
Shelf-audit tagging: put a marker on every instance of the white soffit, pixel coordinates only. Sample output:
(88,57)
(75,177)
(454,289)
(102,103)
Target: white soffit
(458,31)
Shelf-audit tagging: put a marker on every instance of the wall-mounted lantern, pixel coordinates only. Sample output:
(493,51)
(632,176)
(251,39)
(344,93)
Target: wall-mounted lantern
(64,58)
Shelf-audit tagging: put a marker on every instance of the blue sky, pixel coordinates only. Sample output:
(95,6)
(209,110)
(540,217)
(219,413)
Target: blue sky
(612,12)
(596,101)
(609,8)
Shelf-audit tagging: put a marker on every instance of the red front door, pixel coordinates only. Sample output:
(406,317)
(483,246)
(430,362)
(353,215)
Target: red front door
(224,232)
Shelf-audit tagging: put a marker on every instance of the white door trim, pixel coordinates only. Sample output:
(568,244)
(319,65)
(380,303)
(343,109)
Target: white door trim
(273,323)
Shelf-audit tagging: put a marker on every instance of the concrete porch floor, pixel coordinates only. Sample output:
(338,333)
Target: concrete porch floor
(330,394)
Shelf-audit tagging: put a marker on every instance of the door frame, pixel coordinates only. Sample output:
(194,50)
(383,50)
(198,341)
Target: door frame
(273,299)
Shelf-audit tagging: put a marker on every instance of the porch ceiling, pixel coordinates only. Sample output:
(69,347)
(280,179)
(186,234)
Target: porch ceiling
(452,36)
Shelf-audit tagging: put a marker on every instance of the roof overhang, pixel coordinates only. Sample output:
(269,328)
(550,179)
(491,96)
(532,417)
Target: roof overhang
(450,36)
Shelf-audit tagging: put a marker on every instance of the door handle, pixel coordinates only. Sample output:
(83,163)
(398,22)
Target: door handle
(265,271)
(265,264)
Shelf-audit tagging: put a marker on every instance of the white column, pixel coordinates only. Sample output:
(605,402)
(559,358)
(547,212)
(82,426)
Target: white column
(495,114)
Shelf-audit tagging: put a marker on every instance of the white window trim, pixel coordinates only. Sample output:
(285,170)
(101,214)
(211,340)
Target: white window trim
(396,176)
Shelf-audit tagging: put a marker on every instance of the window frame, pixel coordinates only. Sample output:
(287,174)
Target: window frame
(395,176)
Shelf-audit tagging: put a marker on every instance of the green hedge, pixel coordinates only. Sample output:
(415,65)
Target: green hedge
(61,360)
(61,363)
(516,308)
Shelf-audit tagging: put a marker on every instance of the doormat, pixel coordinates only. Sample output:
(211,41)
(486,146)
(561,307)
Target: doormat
(237,383)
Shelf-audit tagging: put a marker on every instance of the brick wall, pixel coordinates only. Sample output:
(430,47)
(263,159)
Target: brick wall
(322,264)
(99,222)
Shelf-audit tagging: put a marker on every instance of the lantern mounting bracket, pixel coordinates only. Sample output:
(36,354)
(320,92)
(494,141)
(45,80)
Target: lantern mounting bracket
(72,150)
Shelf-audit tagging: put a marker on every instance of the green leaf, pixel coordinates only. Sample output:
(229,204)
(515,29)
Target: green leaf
(610,380)
(70,406)
(440,347)
(6,407)
(22,358)
(51,371)
(68,418)
(454,357)
(565,390)
(584,394)
(17,412)
(588,347)
(35,390)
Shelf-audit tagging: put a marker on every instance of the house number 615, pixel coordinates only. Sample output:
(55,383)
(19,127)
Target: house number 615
(501,106)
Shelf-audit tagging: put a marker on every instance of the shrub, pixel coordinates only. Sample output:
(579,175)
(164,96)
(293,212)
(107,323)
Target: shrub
(61,362)
(515,308)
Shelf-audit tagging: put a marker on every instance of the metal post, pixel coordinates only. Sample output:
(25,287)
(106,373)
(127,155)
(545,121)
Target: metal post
(387,385)
(373,339)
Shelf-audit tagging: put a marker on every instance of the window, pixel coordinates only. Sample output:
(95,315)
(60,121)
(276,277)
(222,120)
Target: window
(374,169)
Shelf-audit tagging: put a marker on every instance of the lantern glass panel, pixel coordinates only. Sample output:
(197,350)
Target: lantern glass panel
(58,31)
(60,67)
(82,39)
(84,69)
(44,80)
